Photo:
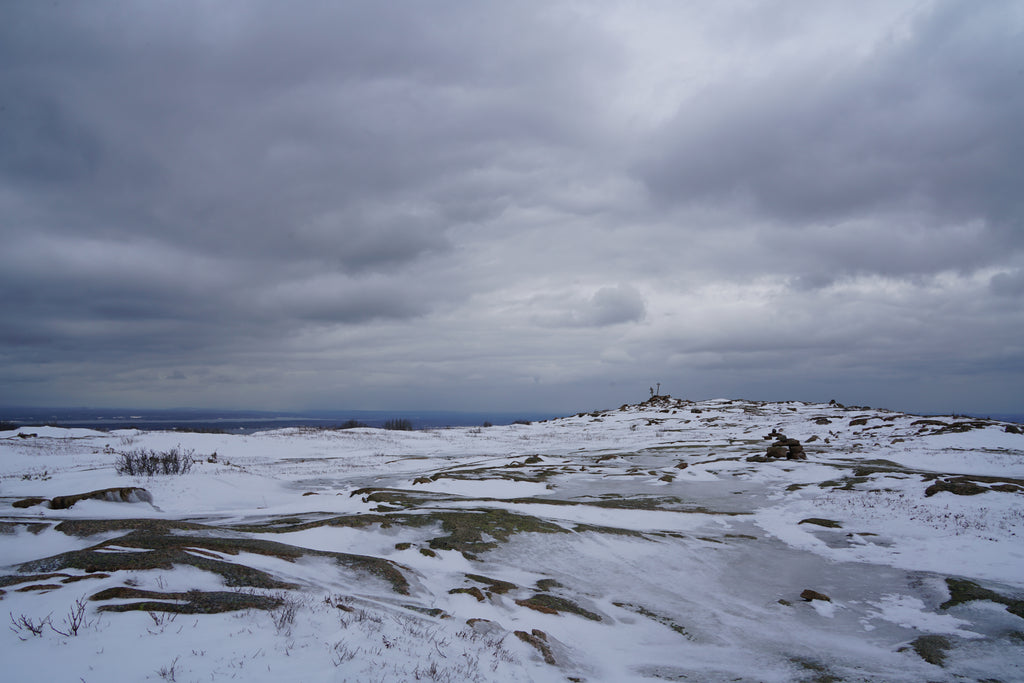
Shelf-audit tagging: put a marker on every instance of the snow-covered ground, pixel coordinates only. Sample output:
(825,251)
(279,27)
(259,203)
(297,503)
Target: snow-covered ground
(651,542)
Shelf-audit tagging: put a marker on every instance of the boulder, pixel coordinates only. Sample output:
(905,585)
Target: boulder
(809,595)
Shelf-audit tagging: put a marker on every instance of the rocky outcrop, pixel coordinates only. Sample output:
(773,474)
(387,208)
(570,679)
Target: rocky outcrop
(931,649)
(973,485)
(960,486)
(539,640)
(27,502)
(663,401)
(122,494)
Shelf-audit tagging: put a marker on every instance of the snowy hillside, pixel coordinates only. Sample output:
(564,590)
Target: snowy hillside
(671,540)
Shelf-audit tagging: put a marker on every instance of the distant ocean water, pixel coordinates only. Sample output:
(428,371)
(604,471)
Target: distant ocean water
(247,422)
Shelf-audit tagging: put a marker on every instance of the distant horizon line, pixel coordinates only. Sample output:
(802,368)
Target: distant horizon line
(335,413)
(264,411)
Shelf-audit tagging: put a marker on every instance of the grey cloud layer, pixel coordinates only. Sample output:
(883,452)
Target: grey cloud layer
(928,120)
(466,204)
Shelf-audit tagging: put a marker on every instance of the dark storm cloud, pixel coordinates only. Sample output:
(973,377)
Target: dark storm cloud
(237,126)
(261,144)
(455,203)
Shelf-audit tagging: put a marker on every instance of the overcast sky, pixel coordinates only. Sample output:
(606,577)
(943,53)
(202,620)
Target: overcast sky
(511,205)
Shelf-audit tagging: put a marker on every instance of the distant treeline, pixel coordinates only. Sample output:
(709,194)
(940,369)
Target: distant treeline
(397,423)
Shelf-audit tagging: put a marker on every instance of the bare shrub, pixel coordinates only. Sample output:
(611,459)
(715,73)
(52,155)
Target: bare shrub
(341,653)
(368,621)
(23,624)
(143,462)
(74,621)
(398,424)
(169,672)
(161,620)
(284,615)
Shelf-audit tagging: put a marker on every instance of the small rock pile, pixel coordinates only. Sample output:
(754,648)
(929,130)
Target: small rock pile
(784,447)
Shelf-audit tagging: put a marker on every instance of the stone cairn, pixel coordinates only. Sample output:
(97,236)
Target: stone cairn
(790,449)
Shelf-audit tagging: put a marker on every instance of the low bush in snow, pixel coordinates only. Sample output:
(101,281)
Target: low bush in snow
(76,619)
(148,462)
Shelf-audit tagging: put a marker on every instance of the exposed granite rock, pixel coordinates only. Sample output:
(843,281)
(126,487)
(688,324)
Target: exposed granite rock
(809,595)
(123,494)
(959,486)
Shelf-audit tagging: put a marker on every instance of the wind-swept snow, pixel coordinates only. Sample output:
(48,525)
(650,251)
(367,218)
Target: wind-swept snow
(653,542)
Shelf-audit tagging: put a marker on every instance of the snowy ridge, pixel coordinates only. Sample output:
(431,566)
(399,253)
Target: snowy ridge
(651,542)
